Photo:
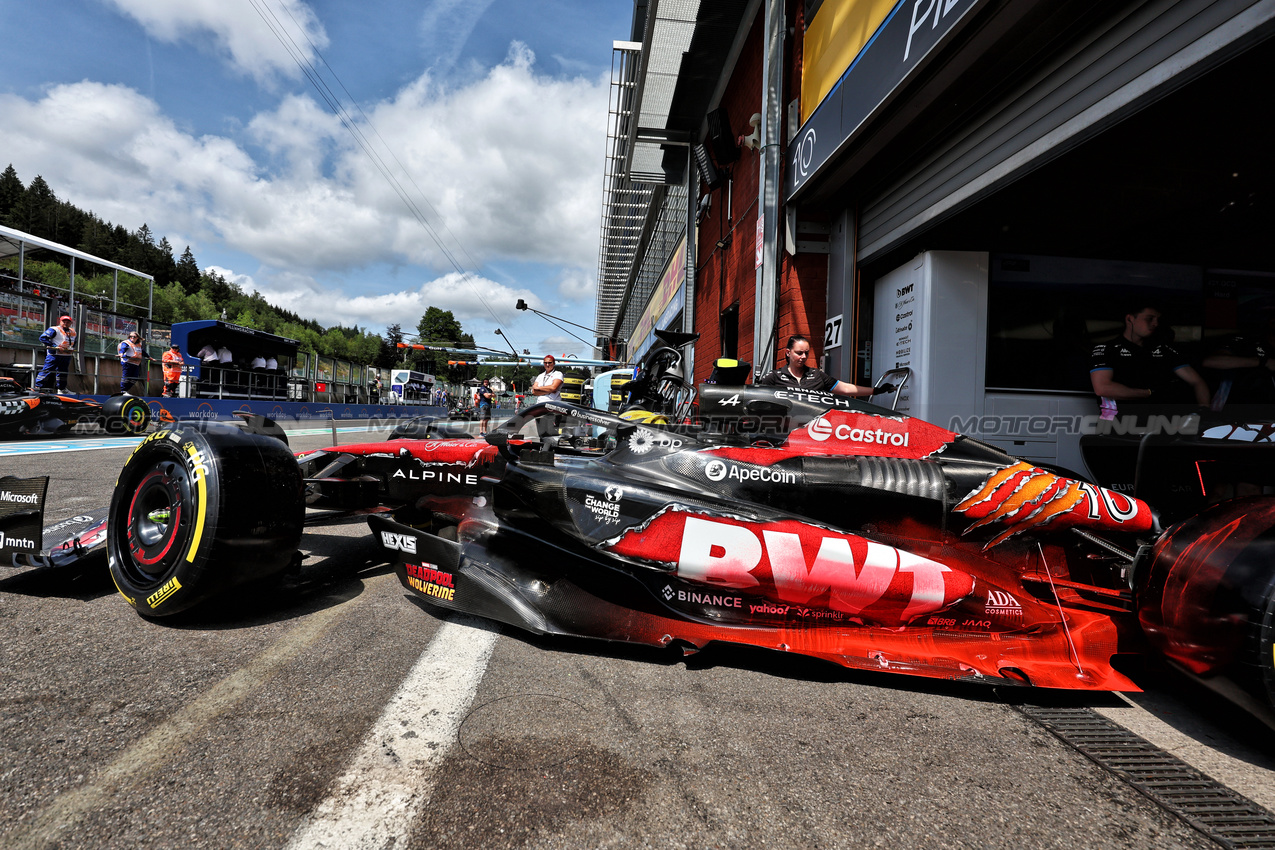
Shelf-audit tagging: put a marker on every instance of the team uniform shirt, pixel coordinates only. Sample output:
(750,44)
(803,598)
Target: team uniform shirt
(1254,385)
(1136,366)
(813,379)
(544,379)
(485,396)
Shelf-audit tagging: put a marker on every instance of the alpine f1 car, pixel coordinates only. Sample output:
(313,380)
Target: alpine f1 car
(32,413)
(796,521)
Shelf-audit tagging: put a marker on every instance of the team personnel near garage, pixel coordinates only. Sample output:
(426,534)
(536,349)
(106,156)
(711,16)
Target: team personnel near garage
(59,342)
(1136,369)
(797,375)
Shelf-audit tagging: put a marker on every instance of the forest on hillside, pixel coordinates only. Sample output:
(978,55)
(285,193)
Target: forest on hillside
(184,292)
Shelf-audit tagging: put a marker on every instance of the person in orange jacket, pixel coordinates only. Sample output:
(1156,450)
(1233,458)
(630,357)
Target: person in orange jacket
(172,365)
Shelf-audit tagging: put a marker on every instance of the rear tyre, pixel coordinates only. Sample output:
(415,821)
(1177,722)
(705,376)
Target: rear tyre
(126,414)
(198,510)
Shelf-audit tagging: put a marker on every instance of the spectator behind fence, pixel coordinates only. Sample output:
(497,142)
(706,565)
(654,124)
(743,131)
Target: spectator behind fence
(209,367)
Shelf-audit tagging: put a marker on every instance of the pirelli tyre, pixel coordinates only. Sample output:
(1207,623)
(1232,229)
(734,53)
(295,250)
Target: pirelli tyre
(125,414)
(198,509)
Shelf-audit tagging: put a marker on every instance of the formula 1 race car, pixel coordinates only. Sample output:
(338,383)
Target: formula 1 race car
(791,520)
(32,413)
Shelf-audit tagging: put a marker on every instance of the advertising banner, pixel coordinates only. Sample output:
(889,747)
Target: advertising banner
(909,33)
(21,516)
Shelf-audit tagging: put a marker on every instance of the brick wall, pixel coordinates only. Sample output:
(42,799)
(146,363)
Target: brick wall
(727,275)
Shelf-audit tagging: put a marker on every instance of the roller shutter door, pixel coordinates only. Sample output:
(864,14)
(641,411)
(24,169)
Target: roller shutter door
(1106,75)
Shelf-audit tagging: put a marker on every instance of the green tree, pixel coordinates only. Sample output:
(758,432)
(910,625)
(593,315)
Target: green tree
(188,271)
(437,327)
(390,355)
(34,211)
(11,190)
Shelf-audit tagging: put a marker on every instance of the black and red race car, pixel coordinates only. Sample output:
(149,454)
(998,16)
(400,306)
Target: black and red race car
(33,413)
(796,521)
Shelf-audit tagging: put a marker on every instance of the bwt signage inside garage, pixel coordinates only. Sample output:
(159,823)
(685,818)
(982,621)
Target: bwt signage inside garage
(1002,178)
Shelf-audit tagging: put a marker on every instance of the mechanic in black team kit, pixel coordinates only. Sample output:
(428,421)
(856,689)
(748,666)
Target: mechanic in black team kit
(1133,369)
(797,375)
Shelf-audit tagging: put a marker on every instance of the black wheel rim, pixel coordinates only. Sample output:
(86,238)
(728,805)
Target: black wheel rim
(158,523)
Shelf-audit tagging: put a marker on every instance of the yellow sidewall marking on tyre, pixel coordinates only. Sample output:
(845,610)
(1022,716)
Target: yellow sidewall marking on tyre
(197,466)
(129,599)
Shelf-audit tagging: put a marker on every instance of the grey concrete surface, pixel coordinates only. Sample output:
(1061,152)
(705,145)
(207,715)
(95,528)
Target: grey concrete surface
(227,727)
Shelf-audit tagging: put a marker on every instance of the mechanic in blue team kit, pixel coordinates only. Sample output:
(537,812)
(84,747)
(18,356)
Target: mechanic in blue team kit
(59,342)
(132,353)
(485,398)
(1137,369)
(797,375)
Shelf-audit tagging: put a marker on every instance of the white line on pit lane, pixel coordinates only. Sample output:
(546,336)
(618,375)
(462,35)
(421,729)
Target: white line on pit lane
(41,447)
(376,801)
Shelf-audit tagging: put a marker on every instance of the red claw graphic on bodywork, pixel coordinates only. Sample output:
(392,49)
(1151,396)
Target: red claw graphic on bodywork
(1022,497)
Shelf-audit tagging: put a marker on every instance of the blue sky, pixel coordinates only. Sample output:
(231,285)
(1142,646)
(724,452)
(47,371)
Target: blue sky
(193,118)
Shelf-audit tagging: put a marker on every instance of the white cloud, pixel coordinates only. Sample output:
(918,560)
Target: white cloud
(445,27)
(465,297)
(577,285)
(242,33)
(510,164)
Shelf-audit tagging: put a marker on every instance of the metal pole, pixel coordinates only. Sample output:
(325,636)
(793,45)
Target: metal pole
(71,302)
(767,297)
(115,293)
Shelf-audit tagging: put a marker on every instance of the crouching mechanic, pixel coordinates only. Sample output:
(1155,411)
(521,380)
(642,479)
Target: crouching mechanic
(59,342)
(797,375)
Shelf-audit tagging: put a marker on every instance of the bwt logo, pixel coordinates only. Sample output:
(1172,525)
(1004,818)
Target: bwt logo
(401,542)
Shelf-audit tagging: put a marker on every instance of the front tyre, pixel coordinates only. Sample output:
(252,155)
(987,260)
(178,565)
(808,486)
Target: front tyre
(125,414)
(199,509)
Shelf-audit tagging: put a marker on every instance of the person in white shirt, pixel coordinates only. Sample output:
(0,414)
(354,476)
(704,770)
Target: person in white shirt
(548,384)
(547,387)
(258,362)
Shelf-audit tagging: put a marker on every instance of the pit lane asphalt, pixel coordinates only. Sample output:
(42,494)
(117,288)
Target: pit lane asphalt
(229,728)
